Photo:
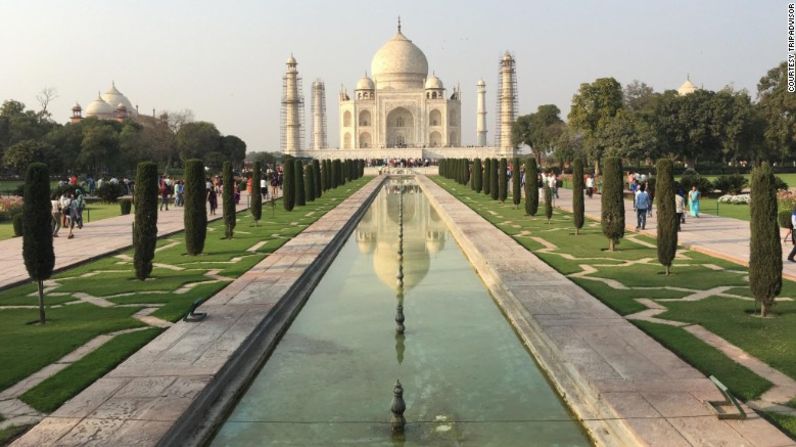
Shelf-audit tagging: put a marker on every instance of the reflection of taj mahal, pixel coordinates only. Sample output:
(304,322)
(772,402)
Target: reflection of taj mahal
(424,234)
(400,110)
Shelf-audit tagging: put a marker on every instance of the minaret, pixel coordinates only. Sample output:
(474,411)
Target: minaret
(507,103)
(480,124)
(291,109)
(318,115)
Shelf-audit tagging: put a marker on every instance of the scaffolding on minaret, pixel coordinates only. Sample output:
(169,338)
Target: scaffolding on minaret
(292,116)
(507,101)
(318,111)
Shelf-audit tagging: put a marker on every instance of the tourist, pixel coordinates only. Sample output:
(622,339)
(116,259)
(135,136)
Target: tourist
(793,235)
(80,203)
(693,201)
(71,211)
(236,192)
(65,202)
(641,204)
(164,194)
(679,207)
(179,193)
(212,198)
(56,213)
(590,185)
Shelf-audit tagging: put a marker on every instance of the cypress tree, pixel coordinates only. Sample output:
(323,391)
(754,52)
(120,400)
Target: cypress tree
(309,182)
(361,168)
(145,229)
(327,169)
(516,183)
(503,181)
(317,181)
(465,171)
(487,180)
(613,202)
(341,172)
(548,202)
(531,187)
(577,194)
(765,257)
(335,173)
(493,179)
(37,234)
(289,184)
(228,197)
(257,195)
(667,218)
(195,213)
(298,174)
(477,175)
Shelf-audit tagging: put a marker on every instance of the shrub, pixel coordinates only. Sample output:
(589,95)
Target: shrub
(257,196)
(110,192)
(487,176)
(503,181)
(309,182)
(667,218)
(613,202)
(317,181)
(298,174)
(780,184)
(37,236)
(228,198)
(692,178)
(195,213)
(577,195)
(126,205)
(765,256)
(548,202)
(16,222)
(477,183)
(784,219)
(289,184)
(531,187)
(494,179)
(145,229)
(516,184)
(730,184)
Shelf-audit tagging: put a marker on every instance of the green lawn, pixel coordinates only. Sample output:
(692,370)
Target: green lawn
(32,347)
(771,340)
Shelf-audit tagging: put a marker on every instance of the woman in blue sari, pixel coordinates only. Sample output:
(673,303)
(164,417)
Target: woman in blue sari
(693,201)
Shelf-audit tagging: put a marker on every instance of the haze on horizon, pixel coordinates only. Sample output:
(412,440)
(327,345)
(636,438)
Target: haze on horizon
(225,61)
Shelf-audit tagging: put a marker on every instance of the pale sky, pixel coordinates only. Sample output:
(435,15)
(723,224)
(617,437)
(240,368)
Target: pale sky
(224,60)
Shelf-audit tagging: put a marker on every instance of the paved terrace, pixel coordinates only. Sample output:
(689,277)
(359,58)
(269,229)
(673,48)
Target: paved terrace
(96,239)
(722,237)
(137,403)
(625,387)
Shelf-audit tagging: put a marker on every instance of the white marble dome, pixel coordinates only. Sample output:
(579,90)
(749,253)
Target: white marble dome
(99,109)
(115,98)
(399,64)
(365,83)
(433,82)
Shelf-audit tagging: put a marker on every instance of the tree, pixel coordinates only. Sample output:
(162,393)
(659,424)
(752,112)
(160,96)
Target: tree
(145,229)
(516,184)
(37,236)
(298,174)
(257,194)
(22,154)
(336,173)
(577,194)
(234,149)
(778,108)
(45,97)
(638,97)
(531,187)
(228,198)
(477,175)
(765,255)
(289,184)
(487,176)
(667,217)
(592,107)
(318,180)
(196,139)
(539,130)
(613,202)
(548,202)
(341,172)
(309,182)
(99,148)
(195,213)
(494,179)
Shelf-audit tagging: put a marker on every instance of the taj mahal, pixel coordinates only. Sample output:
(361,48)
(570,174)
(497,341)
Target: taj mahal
(399,111)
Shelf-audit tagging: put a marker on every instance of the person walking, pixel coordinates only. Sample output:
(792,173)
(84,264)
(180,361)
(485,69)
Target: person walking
(179,193)
(164,194)
(693,201)
(641,205)
(679,208)
(793,235)
(590,185)
(212,198)
(56,213)
(80,203)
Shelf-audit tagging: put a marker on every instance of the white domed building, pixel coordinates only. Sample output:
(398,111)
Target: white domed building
(112,105)
(402,105)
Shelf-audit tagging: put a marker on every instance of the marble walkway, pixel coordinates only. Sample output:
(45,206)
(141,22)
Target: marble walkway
(93,240)
(625,387)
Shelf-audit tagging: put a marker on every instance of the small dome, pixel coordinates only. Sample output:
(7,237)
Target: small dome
(507,56)
(100,109)
(433,82)
(114,97)
(291,59)
(481,83)
(686,88)
(76,107)
(399,63)
(121,107)
(365,83)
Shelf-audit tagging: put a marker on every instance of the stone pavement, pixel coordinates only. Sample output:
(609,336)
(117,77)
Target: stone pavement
(625,387)
(95,239)
(140,401)
(722,237)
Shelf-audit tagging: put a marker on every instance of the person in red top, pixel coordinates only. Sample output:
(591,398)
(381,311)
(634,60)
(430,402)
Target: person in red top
(73,180)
